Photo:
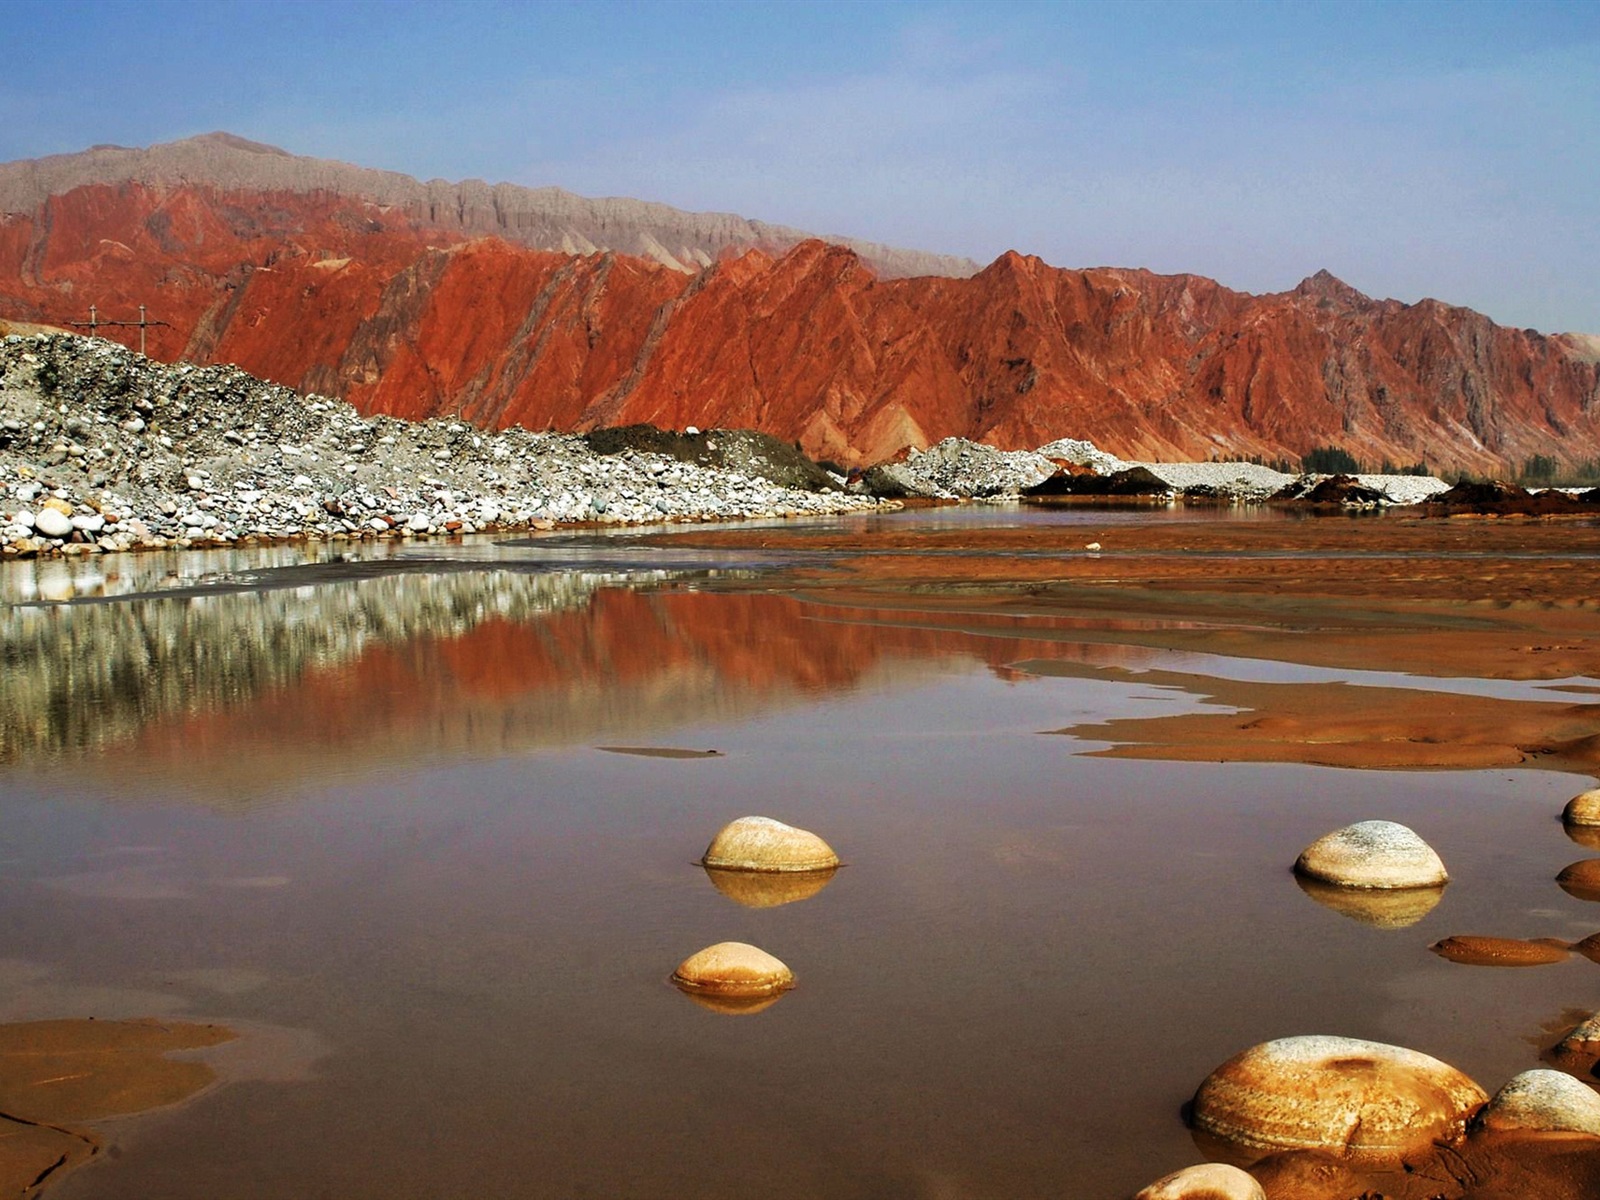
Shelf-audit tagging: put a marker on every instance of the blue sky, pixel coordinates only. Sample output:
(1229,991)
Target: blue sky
(1414,149)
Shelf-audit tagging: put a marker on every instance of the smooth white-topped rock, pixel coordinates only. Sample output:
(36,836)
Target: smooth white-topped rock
(52,522)
(763,844)
(1366,1100)
(1583,809)
(733,969)
(1209,1181)
(1373,854)
(1543,1101)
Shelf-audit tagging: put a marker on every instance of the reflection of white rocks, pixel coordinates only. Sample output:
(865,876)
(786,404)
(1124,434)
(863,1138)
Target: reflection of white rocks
(1543,1101)
(1373,854)
(1367,1100)
(763,844)
(1583,809)
(1209,1181)
(733,969)
(112,668)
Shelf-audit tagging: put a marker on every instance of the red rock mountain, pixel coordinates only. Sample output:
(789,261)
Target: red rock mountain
(403,311)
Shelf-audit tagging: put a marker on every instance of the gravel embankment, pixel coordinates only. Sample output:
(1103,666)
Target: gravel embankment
(102,449)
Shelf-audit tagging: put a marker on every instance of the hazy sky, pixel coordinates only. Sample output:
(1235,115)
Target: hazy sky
(1413,149)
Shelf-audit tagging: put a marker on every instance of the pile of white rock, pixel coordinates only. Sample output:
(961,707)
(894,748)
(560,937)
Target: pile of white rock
(102,450)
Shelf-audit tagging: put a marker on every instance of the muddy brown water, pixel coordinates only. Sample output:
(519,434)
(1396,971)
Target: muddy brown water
(406,862)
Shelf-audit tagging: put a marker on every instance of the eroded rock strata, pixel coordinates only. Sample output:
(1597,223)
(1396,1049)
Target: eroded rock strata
(384,291)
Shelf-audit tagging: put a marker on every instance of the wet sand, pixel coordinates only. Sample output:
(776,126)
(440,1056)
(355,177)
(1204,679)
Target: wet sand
(58,1078)
(1442,597)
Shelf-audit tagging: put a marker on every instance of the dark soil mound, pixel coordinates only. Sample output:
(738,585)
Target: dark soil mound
(1135,481)
(757,454)
(1507,499)
(1335,489)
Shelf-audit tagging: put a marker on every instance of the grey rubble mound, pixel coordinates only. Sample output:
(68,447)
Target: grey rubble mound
(958,469)
(147,454)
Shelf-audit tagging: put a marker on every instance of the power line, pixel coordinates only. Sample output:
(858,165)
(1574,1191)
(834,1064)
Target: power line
(94,322)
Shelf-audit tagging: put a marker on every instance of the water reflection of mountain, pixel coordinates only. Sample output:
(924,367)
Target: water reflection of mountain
(235,689)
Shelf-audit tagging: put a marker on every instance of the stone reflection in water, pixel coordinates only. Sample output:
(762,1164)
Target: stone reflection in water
(1587,836)
(1394,909)
(1581,880)
(769,889)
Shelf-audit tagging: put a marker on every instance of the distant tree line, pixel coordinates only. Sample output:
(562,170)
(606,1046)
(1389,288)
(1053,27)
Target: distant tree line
(1540,470)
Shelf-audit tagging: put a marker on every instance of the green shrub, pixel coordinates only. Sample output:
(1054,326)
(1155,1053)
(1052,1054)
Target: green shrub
(1330,460)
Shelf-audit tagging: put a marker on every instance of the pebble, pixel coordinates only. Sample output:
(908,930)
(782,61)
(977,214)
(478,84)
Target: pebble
(1373,854)
(763,844)
(1367,1100)
(1209,1181)
(53,523)
(1543,1101)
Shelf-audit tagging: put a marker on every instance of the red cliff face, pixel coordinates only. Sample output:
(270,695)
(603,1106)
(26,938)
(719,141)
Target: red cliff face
(348,297)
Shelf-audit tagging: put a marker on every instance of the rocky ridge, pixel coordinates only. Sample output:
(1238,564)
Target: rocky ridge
(402,316)
(546,218)
(102,449)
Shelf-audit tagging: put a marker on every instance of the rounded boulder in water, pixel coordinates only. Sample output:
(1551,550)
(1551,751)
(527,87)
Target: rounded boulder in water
(1543,1101)
(763,844)
(1209,1181)
(1365,1101)
(1373,854)
(733,969)
(1583,810)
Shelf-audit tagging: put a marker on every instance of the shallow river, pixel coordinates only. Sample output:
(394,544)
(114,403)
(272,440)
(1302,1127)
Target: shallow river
(388,818)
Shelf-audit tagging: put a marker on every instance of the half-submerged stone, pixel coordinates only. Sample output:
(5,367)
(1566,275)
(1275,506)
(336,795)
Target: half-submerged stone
(1365,1101)
(1579,1051)
(1500,952)
(1543,1101)
(1373,854)
(1583,809)
(733,977)
(1209,1181)
(762,844)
